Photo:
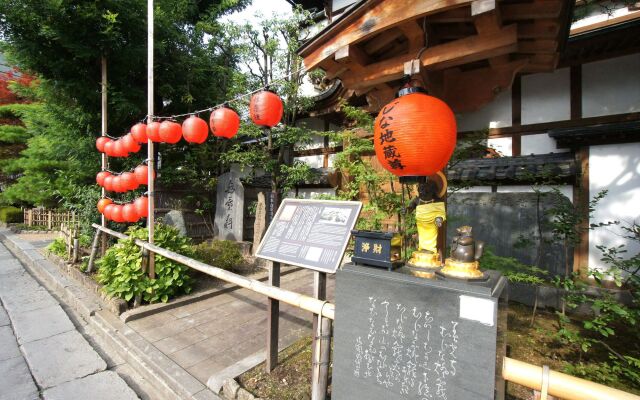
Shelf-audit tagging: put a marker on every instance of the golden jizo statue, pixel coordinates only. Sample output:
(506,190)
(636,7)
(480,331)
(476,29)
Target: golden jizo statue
(430,215)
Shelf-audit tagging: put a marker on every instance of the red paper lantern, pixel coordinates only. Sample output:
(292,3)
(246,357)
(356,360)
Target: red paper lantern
(415,134)
(107,211)
(116,184)
(224,122)
(116,213)
(195,130)
(108,183)
(170,132)
(153,132)
(101,176)
(108,147)
(139,132)
(142,204)
(130,143)
(102,203)
(100,142)
(119,149)
(266,109)
(129,213)
(128,181)
(141,173)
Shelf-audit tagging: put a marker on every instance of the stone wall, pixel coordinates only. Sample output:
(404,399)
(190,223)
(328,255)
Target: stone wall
(507,223)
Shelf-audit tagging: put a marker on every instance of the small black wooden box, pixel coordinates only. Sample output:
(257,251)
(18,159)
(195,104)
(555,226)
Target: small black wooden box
(377,249)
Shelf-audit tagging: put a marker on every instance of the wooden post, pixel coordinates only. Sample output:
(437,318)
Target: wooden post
(150,152)
(76,245)
(50,220)
(30,217)
(105,160)
(94,251)
(320,366)
(320,293)
(273,319)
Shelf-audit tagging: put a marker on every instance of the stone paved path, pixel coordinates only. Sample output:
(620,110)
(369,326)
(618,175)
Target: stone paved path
(222,336)
(42,355)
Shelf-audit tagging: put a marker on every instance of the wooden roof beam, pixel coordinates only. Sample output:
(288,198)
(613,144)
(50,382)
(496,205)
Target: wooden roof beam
(540,9)
(462,51)
(487,19)
(376,17)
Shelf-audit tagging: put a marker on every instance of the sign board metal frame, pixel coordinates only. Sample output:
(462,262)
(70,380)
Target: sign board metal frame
(349,225)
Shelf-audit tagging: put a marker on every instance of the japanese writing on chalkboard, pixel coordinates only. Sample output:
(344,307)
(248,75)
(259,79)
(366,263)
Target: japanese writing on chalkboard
(389,149)
(405,351)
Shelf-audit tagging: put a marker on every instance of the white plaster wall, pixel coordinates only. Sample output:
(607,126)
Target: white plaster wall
(611,86)
(312,161)
(312,193)
(546,97)
(475,189)
(566,190)
(538,144)
(616,168)
(496,114)
(502,145)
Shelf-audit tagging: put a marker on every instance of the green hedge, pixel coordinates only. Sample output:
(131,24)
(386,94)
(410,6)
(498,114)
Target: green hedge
(11,214)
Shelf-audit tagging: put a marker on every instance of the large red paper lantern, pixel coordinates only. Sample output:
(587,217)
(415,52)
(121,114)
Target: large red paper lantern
(116,213)
(130,143)
(129,213)
(102,203)
(128,181)
(195,130)
(266,109)
(101,177)
(107,211)
(100,142)
(153,132)
(415,134)
(107,184)
(170,132)
(142,174)
(139,132)
(142,206)
(224,122)
(108,147)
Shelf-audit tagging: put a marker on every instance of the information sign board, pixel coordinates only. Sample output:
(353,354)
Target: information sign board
(310,233)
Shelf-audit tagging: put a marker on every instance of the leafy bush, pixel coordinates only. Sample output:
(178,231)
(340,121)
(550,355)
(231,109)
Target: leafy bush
(58,247)
(512,269)
(11,214)
(223,254)
(120,270)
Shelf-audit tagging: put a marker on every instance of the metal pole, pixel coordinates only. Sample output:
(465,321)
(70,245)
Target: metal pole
(103,131)
(150,152)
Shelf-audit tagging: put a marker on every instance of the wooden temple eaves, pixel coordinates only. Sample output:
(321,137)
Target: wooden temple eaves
(465,52)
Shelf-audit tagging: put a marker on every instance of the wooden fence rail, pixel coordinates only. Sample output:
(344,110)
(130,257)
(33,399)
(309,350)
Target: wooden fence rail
(52,219)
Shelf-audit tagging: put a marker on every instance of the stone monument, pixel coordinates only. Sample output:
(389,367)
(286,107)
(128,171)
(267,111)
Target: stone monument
(229,207)
(260,224)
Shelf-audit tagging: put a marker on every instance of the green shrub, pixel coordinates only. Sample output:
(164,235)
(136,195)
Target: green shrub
(120,270)
(58,247)
(511,268)
(223,254)
(11,214)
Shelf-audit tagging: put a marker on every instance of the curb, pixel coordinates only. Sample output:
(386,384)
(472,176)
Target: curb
(169,378)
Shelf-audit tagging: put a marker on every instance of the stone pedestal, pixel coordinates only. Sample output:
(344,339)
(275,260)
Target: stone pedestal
(402,337)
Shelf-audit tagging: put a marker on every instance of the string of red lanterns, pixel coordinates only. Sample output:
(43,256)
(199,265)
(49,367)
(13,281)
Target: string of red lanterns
(265,109)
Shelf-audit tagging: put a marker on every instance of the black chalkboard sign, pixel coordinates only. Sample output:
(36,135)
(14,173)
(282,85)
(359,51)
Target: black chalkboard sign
(402,337)
(310,233)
